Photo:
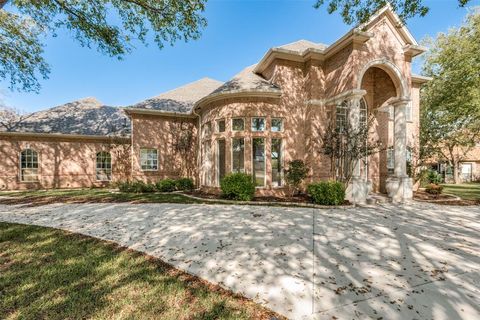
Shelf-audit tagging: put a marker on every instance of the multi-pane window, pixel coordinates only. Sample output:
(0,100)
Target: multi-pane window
(276,160)
(341,116)
(103,167)
(29,165)
(238,155)
(363,112)
(258,124)
(238,124)
(221,159)
(221,125)
(390,160)
(149,159)
(277,124)
(258,155)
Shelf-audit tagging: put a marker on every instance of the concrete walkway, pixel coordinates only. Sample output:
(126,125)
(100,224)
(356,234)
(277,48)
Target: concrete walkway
(418,261)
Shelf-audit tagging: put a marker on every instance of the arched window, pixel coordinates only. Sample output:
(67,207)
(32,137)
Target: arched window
(363,112)
(341,116)
(104,166)
(29,165)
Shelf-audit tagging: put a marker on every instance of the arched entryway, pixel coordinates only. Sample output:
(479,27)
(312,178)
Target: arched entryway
(387,96)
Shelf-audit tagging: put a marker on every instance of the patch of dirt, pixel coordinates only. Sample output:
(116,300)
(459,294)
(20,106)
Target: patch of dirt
(444,199)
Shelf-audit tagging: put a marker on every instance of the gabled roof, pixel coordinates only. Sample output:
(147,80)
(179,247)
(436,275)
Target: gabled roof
(245,82)
(181,99)
(86,116)
(301,46)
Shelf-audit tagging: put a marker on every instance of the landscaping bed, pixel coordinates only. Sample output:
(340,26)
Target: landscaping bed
(442,198)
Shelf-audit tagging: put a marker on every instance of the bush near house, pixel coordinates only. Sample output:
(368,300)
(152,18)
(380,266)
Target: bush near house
(328,193)
(297,171)
(434,189)
(184,184)
(166,185)
(238,186)
(135,187)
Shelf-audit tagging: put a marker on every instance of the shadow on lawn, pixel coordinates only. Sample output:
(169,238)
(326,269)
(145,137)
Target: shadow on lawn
(56,275)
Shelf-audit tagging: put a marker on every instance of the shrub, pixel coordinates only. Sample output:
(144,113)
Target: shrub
(135,187)
(296,172)
(238,186)
(184,184)
(166,185)
(433,177)
(434,189)
(327,192)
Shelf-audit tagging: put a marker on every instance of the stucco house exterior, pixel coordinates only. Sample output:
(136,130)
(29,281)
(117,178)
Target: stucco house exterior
(266,115)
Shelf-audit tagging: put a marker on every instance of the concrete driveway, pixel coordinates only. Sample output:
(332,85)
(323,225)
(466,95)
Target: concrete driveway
(418,261)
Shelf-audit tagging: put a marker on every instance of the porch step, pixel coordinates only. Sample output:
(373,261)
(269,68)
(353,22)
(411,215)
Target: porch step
(377,198)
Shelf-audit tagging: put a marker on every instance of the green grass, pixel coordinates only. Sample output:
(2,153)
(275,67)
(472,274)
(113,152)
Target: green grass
(52,274)
(468,191)
(40,197)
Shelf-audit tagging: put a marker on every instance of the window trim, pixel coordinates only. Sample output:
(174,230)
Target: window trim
(264,163)
(231,154)
(237,118)
(264,122)
(217,167)
(37,168)
(140,159)
(111,166)
(282,127)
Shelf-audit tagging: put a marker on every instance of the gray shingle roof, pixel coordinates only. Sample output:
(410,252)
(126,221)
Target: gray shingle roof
(182,98)
(247,81)
(301,45)
(82,117)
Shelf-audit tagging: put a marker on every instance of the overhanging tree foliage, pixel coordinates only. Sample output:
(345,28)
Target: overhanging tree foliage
(450,111)
(359,11)
(112,26)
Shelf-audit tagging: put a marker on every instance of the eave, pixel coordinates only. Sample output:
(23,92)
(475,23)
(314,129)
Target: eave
(160,113)
(236,94)
(63,136)
(416,78)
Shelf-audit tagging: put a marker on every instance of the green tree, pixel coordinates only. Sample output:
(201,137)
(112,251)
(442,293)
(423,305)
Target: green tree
(450,111)
(112,26)
(359,11)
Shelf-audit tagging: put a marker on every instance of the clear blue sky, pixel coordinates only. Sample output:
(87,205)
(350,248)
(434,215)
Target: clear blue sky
(238,34)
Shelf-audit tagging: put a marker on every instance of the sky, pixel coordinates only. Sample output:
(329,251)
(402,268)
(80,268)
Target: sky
(238,34)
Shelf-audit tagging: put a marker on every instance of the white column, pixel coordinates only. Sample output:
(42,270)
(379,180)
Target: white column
(399,187)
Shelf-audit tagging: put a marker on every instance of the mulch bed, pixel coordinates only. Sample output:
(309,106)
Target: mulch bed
(445,199)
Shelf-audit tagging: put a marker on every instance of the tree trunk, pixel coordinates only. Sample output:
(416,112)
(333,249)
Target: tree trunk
(2,3)
(456,180)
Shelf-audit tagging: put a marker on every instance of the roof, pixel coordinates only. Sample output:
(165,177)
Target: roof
(301,46)
(86,116)
(181,99)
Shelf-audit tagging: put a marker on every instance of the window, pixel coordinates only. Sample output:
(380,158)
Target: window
(341,116)
(238,124)
(258,155)
(390,160)
(258,124)
(363,112)
(29,165)
(276,162)
(277,125)
(238,155)
(149,159)
(103,170)
(221,125)
(221,159)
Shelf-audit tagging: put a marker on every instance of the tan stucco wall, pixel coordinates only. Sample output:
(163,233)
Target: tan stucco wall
(162,133)
(64,163)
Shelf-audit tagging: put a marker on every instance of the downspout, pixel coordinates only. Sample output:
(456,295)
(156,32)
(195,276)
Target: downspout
(199,134)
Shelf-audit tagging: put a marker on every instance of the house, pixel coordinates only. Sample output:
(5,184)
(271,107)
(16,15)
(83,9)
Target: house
(269,113)
(468,168)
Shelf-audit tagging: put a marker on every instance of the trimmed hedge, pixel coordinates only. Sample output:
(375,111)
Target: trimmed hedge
(184,184)
(166,185)
(238,186)
(135,187)
(329,193)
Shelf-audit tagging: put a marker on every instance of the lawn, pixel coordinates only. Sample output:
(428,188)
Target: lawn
(468,191)
(53,274)
(41,197)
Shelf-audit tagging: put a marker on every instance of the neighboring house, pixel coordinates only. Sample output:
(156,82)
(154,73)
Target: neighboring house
(469,168)
(268,114)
